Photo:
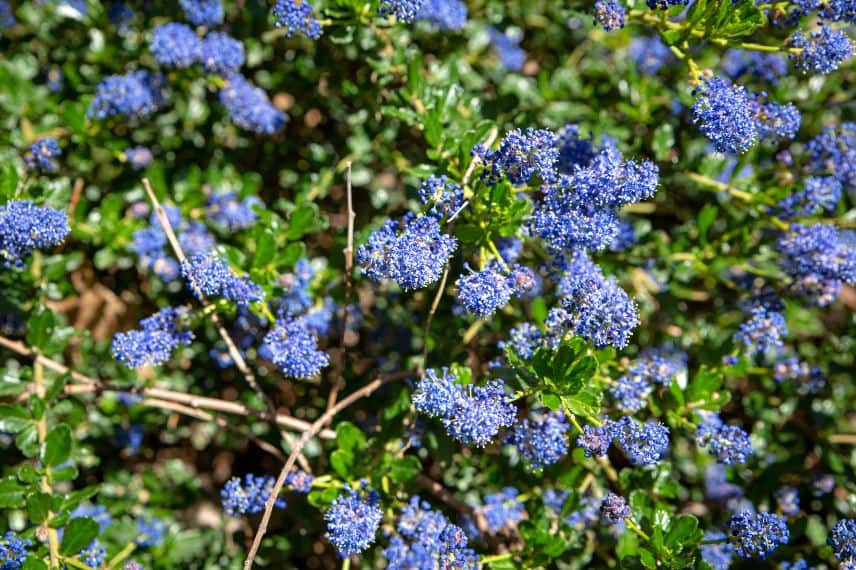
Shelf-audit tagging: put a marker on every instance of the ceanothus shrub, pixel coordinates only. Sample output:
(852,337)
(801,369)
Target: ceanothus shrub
(421,284)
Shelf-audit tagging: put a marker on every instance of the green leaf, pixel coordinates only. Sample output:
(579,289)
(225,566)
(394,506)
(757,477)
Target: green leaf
(350,438)
(28,441)
(684,529)
(301,222)
(705,218)
(57,446)
(585,403)
(405,468)
(11,494)
(39,327)
(342,461)
(647,558)
(33,563)
(550,400)
(38,507)
(57,386)
(13,418)
(663,141)
(78,533)
(8,181)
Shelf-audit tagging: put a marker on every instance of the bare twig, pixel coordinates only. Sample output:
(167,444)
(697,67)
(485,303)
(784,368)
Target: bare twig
(363,392)
(87,385)
(236,355)
(349,269)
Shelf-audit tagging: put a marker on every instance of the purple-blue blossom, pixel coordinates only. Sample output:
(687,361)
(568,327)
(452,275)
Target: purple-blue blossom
(615,508)
(249,495)
(541,439)
(175,46)
(411,252)
(294,349)
(502,509)
(763,332)
(296,16)
(353,520)
(210,275)
(757,535)
(609,14)
(521,156)
(725,115)
(818,194)
(822,51)
(443,195)
(403,10)
(485,292)
(42,155)
(507,47)
(25,227)
(446,15)
(138,157)
(729,444)
(156,339)
(203,12)
(248,106)
(13,551)
(220,53)
(842,539)
(719,554)
(135,95)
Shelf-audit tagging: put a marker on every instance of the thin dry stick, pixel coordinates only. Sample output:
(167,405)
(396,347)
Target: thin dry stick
(208,417)
(349,268)
(236,355)
(363,392)
(87,385)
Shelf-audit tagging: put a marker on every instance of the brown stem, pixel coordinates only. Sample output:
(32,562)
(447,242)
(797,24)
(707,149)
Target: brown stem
(88,385)
(349,268)
(328,415)
(236,355)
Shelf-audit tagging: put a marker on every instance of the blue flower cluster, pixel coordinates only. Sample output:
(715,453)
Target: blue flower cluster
(154,343)
(764,331)
(443,195)
(150,243)
(426,539)
(833,152)
(42,155)
(353,520)
(447,15)
(805,377)
(818,259)
(649,54)
(643,443)
(403,10)
(249,107)
(842,539)
(733,119)
(294,349)
(227,210)
(295,16)
(209,275)
(502,509)
(756,535)
(471,414)
(768,67)
(615,508)
(93,555)
(483,293)
(729,444)
(135,95)
(718,554)
(541,439)
(25,227)
(203,12)
(13,551)
(221,54)
(822,51)
(175,45)
(239,498)
(819,193)
(138,157)
(411,252)
(521,156)
(609,14)
(654,366)
(788,500)
(299,481)
(601,312)
(150,532)
(507,47)
(7,16)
